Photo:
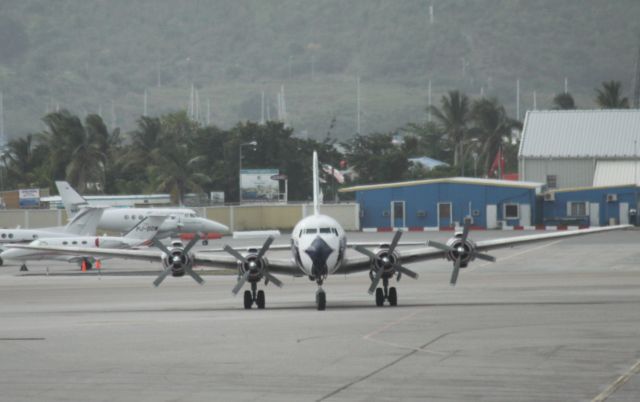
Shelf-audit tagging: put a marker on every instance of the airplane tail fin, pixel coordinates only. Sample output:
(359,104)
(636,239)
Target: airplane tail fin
(85,222)
(316,185)
(147,228)
(70,198)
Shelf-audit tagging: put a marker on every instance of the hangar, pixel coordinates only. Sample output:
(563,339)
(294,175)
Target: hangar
(580,148)
(444,203)
(591,206)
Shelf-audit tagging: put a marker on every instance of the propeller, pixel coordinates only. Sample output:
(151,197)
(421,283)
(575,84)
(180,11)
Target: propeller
(462,250)
(385,259)
(253,265)
(178,259)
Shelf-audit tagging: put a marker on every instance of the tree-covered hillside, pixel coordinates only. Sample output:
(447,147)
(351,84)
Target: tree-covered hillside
(87,55)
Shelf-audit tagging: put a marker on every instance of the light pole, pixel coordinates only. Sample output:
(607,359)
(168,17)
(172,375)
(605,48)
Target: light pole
(248,144)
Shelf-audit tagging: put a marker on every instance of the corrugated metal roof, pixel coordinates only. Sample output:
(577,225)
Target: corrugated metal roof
(460,180)
(606,133)
(612,173)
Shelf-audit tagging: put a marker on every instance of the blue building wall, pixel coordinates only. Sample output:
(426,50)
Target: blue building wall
(465,198)
(556,211)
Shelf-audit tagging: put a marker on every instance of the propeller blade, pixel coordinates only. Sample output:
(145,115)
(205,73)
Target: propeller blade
(161,277)
(394,242)
(192,243)
(273,279)
(485,257)
(240,283)
(265,247)
(161,246)
(406,271)
(376,280)
(440,246)
(456,270)
(194,275)
(234,253)
(365,251)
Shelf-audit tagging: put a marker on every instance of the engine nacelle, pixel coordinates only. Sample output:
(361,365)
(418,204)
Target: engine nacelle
(463,250)
(254,265)
(177,261)
(385,260)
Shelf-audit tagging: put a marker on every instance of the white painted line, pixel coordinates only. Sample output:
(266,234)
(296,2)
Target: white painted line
(369,230)
(618,383)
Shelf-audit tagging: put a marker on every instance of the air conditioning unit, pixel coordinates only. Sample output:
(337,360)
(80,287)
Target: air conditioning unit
(550,196)
(612,197)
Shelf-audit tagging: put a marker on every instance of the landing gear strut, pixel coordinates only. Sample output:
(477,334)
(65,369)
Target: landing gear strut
(254,295)
(321,297)
(386,293)
(23,268)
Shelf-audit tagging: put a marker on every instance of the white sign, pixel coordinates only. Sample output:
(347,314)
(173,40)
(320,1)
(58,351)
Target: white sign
(29,193)
(256,185)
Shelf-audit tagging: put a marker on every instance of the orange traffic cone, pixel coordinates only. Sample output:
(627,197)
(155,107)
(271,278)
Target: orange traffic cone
(84,266)
(98,264)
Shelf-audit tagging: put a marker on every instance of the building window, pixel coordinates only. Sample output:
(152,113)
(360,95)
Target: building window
(577,208)
(552,181)
(511,211)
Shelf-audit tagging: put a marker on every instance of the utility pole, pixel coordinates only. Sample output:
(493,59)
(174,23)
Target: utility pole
(208,111)
(429,102)
(262,108)
(566,85)
(144,110)
(535,102)
(113,114)
(3,140)
(358,104)
(517,99)
(636,83)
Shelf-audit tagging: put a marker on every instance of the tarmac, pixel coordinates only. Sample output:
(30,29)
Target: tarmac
(554,321)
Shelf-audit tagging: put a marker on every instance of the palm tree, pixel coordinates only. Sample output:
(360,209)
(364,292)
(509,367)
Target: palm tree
(452,118)
(21,160)
(610,96)
(492,128)
(564,101)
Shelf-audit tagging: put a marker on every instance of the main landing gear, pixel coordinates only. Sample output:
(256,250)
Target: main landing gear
(23,268)
(386,293)
(254,296)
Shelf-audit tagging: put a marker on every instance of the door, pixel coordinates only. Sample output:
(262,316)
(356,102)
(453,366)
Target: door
(492,216)
(594,214)
(445,214)
(525,215)
(624,213)
(397,214)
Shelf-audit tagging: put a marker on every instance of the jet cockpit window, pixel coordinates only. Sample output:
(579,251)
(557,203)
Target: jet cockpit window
(311,231)
(335,231)
(325,230)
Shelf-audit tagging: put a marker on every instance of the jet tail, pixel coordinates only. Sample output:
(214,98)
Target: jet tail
(85,222)
(147,228)
(70,198)
(316,185)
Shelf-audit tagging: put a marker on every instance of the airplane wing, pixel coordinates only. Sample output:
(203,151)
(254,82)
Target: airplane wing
(364,262)
(280,247)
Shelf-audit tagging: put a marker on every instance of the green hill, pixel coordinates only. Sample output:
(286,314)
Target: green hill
(85,54)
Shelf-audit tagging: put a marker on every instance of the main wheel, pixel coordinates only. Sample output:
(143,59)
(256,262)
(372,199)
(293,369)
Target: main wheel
(248,300)
(379,297)
(260,299)
(1,261)
(393,296)
(205,242)
(321,301)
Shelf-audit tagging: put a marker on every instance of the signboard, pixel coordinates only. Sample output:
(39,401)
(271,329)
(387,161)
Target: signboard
(279,177)
(29,198)
(217,197)
(256,185)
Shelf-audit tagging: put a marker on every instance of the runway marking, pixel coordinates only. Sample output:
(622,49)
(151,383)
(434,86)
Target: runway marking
(22,339)
(371,335)
(618,383)
(386,366)
(516,255)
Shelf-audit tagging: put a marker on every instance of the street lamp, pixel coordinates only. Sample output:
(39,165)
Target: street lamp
(246,144)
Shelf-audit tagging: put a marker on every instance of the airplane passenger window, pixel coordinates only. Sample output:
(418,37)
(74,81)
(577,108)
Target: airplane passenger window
(140,217)
(4,235)
(74,242)
(325,230)
(64,243)
(126,217)
(11,235)
(84,242)
(35,236)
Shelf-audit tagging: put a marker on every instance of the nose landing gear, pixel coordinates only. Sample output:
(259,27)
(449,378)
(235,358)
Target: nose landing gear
(321,297)
(254,296)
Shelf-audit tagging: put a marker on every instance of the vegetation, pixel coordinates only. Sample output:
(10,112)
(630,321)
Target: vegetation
(610,96)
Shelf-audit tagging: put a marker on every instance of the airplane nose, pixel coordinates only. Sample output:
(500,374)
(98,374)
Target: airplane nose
(319,251)
(12,254)
(214,227)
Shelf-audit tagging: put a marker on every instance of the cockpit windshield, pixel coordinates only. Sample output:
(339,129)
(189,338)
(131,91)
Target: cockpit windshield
(311,231)
(325,230)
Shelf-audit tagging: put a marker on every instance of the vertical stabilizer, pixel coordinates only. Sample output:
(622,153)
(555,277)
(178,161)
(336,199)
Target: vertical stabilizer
(316,185)
(85,222)
(70,198)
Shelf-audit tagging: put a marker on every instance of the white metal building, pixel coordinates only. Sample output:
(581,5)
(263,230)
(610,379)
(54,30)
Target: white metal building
(580,148)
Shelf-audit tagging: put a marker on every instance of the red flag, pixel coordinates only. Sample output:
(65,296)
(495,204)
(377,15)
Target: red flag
(498,165)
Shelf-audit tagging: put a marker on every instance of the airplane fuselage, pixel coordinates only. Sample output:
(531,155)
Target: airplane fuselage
(318,245)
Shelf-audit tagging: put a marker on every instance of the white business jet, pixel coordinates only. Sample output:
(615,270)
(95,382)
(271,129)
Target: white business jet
(84,223)
(140,235)
(180,220)
(318,247)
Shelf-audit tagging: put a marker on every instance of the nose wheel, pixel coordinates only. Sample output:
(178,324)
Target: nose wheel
(321,297)
(254,296)
(386,293)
